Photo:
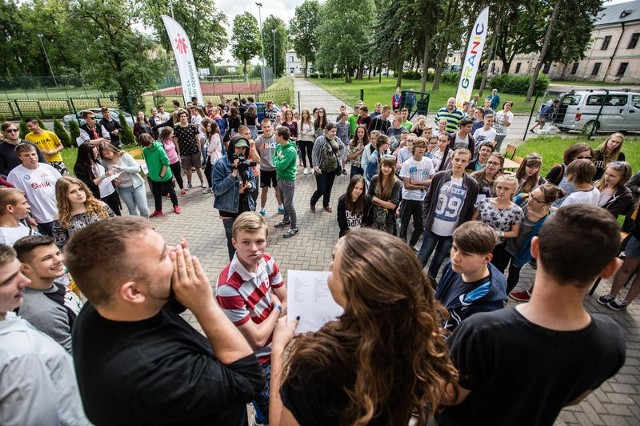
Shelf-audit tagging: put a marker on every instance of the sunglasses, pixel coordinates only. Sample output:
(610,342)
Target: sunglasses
(583,158)
(12,130)
(91,118)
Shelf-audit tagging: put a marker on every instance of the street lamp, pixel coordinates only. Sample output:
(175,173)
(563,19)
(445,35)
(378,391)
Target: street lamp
(273,32)
(48,62)
(262,44)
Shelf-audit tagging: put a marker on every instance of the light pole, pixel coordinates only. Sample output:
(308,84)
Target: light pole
(48,62)
(262,45)
(273,32)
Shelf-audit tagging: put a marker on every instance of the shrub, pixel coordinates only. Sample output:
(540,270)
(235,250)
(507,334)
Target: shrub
(23,129)
(62,134)
(126,135)
(519,84)
(74,130)
(41,123)
(412,75)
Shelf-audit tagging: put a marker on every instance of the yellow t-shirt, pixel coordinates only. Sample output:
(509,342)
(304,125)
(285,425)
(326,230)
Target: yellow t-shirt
(46,141)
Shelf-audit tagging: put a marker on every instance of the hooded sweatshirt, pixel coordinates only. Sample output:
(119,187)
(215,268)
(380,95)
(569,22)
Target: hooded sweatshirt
(156,157)
(286,160)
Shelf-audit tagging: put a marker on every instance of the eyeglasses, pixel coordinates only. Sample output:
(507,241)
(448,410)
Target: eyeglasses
(582,158)
(12,130)
(535,199)
(91,118)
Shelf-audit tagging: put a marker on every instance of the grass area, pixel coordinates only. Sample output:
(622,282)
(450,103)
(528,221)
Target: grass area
(381,92)
(50,93)
(551,149)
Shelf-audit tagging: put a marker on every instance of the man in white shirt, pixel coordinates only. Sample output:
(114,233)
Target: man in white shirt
(38,181)
(416,175)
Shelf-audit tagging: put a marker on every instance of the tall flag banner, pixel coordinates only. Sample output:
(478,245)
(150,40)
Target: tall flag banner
(473,57)
(184,59)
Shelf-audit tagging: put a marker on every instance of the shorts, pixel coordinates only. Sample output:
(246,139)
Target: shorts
(633,248)
(268,179)
(189,161)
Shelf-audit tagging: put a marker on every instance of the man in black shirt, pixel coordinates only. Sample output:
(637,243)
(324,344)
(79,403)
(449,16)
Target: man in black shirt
(137,361)
(523,365)
(111,126)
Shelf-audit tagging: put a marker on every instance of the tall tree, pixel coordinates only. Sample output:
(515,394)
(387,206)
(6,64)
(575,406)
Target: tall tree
(274,36)
(302,31)
(343,35)
(545,46)
(204,25)
(245,43)
(119,58)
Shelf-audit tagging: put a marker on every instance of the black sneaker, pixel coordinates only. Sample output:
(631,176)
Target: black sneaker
(290,233)
(617,305)
(606,299)
(282,224)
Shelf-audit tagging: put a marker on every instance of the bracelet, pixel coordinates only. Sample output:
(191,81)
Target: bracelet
(278,307)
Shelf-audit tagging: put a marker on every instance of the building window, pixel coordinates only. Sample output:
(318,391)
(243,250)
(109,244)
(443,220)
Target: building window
(622,69)
(574,68)
(596,68)
(518,67)
(634,41)
(605,43)
(291,60)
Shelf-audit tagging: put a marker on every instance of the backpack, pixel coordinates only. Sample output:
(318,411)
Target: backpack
(329,158)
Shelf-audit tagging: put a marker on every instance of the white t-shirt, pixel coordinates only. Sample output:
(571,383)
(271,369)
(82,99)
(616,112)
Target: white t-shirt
(461,143)
(9,235)
(416,171)
(39,186)
(499,125)
(450,200)
(480,136)
(591,196)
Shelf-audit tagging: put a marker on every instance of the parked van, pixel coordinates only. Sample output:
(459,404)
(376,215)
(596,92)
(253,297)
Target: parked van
(619,111)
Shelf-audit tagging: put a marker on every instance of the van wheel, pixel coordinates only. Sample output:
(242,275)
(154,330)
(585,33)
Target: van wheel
(591,127)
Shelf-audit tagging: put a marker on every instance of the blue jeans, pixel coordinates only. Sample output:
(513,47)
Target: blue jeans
(135,199)
(429,242)
(355,170)
(324,183)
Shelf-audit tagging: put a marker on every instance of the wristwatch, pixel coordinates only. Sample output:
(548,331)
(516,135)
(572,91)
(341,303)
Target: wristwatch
(278,307)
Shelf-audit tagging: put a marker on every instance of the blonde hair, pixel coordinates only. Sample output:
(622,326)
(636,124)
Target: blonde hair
(8,197)
(94,206)
(508,179)
(250,222)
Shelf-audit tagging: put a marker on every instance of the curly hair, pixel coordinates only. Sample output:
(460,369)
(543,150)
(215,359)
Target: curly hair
(389,338)
(94,206)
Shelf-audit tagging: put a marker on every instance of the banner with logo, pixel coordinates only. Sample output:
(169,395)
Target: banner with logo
(184,58)
(473,57)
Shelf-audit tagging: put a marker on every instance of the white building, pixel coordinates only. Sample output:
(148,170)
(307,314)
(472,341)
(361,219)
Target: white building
(293,64)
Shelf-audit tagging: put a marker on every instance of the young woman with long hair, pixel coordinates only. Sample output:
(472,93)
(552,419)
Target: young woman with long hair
(290,124)
(77,208)
(327,151)
(383,361)
(320,122)
(528,174)
(385,191)
(234,120)
(609,150)
(354,207)
(173,152)
(306,137)
(356,148)
(251,121)
(89,170)
(142,125)
(129,184)
(503,215)
(615,196)
(577,150)
(213,149)
(536,206)
(488,175)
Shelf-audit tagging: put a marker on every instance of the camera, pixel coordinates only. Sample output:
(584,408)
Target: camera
(243,164)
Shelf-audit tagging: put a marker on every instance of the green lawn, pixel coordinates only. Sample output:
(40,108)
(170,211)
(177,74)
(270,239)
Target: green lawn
(551,149)
(50,93)
(381,92)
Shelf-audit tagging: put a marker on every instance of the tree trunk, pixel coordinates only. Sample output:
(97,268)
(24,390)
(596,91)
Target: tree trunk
(492,54)
(306,66)
(399,67)
(545,47)
(425,61)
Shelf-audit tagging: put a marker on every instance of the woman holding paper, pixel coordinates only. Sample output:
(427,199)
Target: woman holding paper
(382,360)
(77,208)
(94,175)
(129,183)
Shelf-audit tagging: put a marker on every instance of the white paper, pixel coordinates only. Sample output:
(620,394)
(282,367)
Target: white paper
(308,297)
(105,186)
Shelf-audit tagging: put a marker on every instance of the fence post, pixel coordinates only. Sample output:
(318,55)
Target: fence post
(99,103)
(75,112)
(40,108)
(362,94)
(299,107)
(533,108)
(18,108)
(13,112)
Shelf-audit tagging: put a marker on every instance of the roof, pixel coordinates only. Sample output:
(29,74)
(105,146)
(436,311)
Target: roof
(620,12)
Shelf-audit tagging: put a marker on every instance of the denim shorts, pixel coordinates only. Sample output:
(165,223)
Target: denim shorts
(633,248)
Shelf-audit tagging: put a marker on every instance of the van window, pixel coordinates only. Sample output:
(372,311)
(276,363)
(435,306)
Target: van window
(635,101)
(571,100)
(611,100)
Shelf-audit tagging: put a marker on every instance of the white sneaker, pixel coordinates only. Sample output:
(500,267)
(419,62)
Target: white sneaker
(306,171)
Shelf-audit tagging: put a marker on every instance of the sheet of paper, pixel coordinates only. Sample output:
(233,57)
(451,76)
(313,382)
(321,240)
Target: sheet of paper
(308,296)
(105,186)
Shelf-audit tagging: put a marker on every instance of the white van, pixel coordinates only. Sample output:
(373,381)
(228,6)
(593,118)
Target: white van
(619,111)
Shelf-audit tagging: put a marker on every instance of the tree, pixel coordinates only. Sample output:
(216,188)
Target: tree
(245,43)
(119,59)
(62,133)
(545,46)
(302,31)
(274,31)
(126,136)
(343,35)
(204,25)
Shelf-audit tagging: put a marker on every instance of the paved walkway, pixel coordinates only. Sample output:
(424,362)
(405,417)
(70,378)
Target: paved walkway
(616,402)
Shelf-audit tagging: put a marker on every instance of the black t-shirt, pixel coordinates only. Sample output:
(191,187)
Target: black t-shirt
(158,371)
(187,139)
(522,374)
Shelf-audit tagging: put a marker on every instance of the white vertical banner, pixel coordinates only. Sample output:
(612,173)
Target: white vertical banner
(473,57)
(184,58)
